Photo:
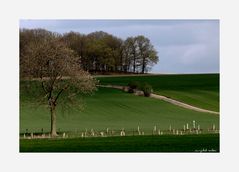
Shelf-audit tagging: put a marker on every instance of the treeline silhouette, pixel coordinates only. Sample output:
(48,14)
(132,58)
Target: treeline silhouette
(99,52)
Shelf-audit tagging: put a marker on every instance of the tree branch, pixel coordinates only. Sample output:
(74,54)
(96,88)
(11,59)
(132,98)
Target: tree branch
(60,93)
(51,87)
(43,87)
(49,94)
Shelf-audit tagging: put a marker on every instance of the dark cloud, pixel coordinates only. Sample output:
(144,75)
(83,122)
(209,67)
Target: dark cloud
(184,46)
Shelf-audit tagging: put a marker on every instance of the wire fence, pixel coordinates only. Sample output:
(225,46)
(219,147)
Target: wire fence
(118,132)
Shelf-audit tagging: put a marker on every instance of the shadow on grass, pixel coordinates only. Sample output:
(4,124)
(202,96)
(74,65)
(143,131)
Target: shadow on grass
(164,143)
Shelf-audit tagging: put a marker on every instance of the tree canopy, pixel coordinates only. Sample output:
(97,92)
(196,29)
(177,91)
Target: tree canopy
(101,52)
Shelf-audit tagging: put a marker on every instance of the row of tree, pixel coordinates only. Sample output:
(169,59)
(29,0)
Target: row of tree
(98,51)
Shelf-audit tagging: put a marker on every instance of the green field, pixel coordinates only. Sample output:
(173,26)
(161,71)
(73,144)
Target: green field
(201,90)
(114,109)
(167,143)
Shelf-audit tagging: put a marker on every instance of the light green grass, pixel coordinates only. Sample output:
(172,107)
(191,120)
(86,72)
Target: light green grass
(201,90)
(114,109)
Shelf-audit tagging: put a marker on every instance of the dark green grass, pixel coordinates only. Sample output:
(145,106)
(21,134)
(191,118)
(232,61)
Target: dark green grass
(165,143)
(114,109)
(201,90)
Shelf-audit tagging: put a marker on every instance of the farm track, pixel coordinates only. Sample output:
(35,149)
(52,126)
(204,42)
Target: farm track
(96,76)
(169,100)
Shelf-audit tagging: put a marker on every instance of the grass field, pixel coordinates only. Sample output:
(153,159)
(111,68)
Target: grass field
(201,90)
(167,143)
(114,109)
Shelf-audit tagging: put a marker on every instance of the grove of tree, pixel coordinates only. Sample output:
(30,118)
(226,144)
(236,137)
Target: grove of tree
(101,52)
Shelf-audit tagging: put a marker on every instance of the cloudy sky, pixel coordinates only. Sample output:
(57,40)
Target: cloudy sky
(184,46)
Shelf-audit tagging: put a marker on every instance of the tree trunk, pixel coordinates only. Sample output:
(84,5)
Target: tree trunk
(143,65)
(134,66)
(53,120)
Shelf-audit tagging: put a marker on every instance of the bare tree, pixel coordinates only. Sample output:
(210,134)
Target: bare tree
(56,69)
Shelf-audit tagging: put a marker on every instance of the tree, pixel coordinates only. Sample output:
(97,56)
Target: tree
(77,42)
(147,55)
(56,69)
(104,51)
(132,51)
(112,52)
(126,57)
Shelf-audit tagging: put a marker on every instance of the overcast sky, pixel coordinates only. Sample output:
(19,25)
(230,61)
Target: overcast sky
(183,46)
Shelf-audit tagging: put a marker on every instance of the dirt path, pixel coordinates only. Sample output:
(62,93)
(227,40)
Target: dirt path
(181,104)
(169,100)
(125,75)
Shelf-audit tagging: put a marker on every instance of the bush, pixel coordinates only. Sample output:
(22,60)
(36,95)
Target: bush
(133,85)
(147,89)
